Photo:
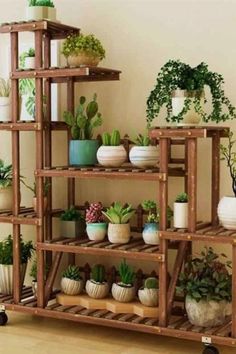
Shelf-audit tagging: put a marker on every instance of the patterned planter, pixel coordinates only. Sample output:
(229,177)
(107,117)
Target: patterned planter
(37,13)
(119,233)
(227,212)
(122,293)
(144,156)
(83,152)
(148,297)
(97,290)
(96,231)
(5,112)
(71,287)
(111,156)
(72,229)
(181,215)
(151,234)
(83,59)
(6,278)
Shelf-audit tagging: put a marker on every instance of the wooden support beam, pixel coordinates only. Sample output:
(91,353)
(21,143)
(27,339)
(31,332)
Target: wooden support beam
(52,275)
(192,183)
(215,177)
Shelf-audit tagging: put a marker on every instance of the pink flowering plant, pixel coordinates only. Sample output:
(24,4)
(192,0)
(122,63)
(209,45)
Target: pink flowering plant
(94,213)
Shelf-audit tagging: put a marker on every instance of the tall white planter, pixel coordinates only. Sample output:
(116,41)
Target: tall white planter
(5,109)
(144,156)
(111,156)
(6,198)
(178,99)
(181,215)
(6,278)
(37,13)
(227,212)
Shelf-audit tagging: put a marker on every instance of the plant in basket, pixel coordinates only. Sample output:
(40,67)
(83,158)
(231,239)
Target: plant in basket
(148,295)
(112,153)
(97,287)
(124,290)
(143,154)
(96,226)
(72,282)
(72,223)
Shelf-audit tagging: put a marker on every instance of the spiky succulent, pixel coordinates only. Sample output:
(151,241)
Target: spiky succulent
(126,273)
(142,140)
(98,273)
(118,214)
(182,198)
(72,272)
(94,213)
(151,283)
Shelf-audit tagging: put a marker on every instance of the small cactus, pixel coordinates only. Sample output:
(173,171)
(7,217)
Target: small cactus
(127,275)
(72,272)
(112,139)
(106,139)
(98,273)
(94,213)
(151,283)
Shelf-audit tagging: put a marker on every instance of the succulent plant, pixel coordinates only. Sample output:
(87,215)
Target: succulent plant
(94,213)
(151,283)
(98,273)
(5,88)
(112,139)
(71,214)
(182,198)
(142,140)
(126,273)
(90,45)
(154,211)
(72,272)
(118,214)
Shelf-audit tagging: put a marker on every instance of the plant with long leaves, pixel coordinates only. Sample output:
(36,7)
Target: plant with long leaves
(6,251)
(5,175)
(229,155)
(126,273)
(142,140)
(5,88)
(98,273)
(118,214)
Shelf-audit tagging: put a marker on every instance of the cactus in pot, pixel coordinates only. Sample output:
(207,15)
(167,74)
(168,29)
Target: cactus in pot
(148,295)
(111,153)
(71,282)
(96,227)
(97,287)
(124,290)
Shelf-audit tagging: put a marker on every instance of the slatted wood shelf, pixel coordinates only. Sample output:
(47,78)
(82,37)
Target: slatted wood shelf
(55,30)
(188,132)
(32,126)
(27,216)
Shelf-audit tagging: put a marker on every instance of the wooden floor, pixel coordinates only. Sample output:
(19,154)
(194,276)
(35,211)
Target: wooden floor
(33,335)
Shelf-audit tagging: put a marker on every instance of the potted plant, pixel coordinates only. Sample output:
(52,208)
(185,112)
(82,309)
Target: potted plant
(119,227)
(181,211)
(46,187)
(40,10)
(143,154)
(180,88)
(96,227)
(124,290)
(83,50)
(227,205)
(33,275)
(83,150)
(72,223)
(97,287)
(6,263)
(111,153)
(6,191)
(29,59)
(71,282)
(27,93)
(5,100)
(207,285)
(148,295)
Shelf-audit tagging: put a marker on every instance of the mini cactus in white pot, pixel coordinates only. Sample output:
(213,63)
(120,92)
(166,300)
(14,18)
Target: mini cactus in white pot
(143,154)
(181,211)
(97,287)
(124,290)
(71,282)
(111,153)
(148,295)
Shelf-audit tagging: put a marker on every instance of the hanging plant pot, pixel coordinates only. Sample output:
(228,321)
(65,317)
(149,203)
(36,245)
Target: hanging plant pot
(144,156)
(83,152)
(36,13)
(178,102)
(72,229)
(148,297)
(181,215)
(6,198)
(227,212)
(151,234)
(119,233)
(6,278)
(96,231)
(111,156)
(97,290)
(5,109)
(71,287)
(83,59)
(123,293)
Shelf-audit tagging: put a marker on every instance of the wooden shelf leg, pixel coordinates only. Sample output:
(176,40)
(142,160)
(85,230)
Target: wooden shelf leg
(215,177)
(52,275)
(192,183)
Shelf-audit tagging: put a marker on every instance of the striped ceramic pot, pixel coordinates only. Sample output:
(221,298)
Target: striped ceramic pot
(227,212)
(111,156)
(96,231)
(148,297)
(71,287)
(144,156)
(97,290)
(123,293)
(6,278)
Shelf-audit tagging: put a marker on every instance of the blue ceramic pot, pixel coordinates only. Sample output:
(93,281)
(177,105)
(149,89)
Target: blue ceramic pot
(96,231)
(151,234)
(83,152)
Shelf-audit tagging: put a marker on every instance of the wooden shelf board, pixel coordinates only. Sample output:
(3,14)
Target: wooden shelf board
(32,126)
(27,216)
(188,132)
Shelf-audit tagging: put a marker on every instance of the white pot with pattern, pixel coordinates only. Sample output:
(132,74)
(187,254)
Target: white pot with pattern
(111,156)
(144,156)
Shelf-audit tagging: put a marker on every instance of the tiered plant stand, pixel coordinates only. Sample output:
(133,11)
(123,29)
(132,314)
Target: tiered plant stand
(171,321)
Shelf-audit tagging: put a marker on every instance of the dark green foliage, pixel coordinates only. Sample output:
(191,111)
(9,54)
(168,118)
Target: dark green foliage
(182,198)
(47,3)
(151,283)
(71,214)
(229,156)
(90,45)
(206,278)
(6,251)
(5,175)
(72,272)
(126,273)
(98,273)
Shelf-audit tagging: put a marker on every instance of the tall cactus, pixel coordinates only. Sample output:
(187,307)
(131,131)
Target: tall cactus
(112,139)
(151,283)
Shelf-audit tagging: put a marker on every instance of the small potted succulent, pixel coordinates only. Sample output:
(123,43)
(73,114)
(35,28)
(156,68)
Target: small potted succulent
(119,227)
(6,262)
(46,187)
(83,50)
(124,290)
(5,100)
(33,275)
(71,282)
(6,191)
(181,211)
(29,59)
(111,153)
(97,287)
(96,226)
(143,154)
(40,10)
(72,223)
(83,149)
(207,284)
(148,295)
(227,205)
(180,88)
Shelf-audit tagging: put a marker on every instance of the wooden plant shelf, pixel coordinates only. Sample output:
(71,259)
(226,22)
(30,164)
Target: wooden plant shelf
(32,126)
(26,216)
(188,132)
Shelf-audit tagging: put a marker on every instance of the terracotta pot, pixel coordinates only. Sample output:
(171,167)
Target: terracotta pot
(151,234)
(6,278)
(144,156)
(119,233)
(148,297)
(97,290)
(111,156)
(122,293)
(96,231)
(83,59)
(71,287)
(29,63)
(227,212)
(72,229)
(181,215)
(5,109)
(45,204)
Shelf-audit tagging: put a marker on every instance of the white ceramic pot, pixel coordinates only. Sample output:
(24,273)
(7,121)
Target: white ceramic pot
(181,215)
(144,156)
(207,313)
(45,204)
(6,198)
(37,13)
(111,156)
(96,231)
(29,63)
(5,111)
(227,212)
(122,293)
(178,99)
(71,287)
(151,234)
(24,115)
(82,59)
(72,229)
(148,297)
(119,233)
(6,278)
(97,290)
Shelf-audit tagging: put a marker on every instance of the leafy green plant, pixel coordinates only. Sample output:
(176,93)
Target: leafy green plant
(177,75)
(118,214)
(229,155)
(126,273)
(206,277)
(142,140)
(46,187)
(6,251)
(151,283)
(5,88)
(85,120)
(112,139)
(90,45)
(33,270)
(72,272)
(30,53)
(154,212)
(98,273)
(71,214)
(182,198)
(5,175)
(47,3)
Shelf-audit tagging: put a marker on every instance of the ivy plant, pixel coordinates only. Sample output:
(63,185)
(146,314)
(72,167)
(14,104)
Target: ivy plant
(229,155)
(88,44)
